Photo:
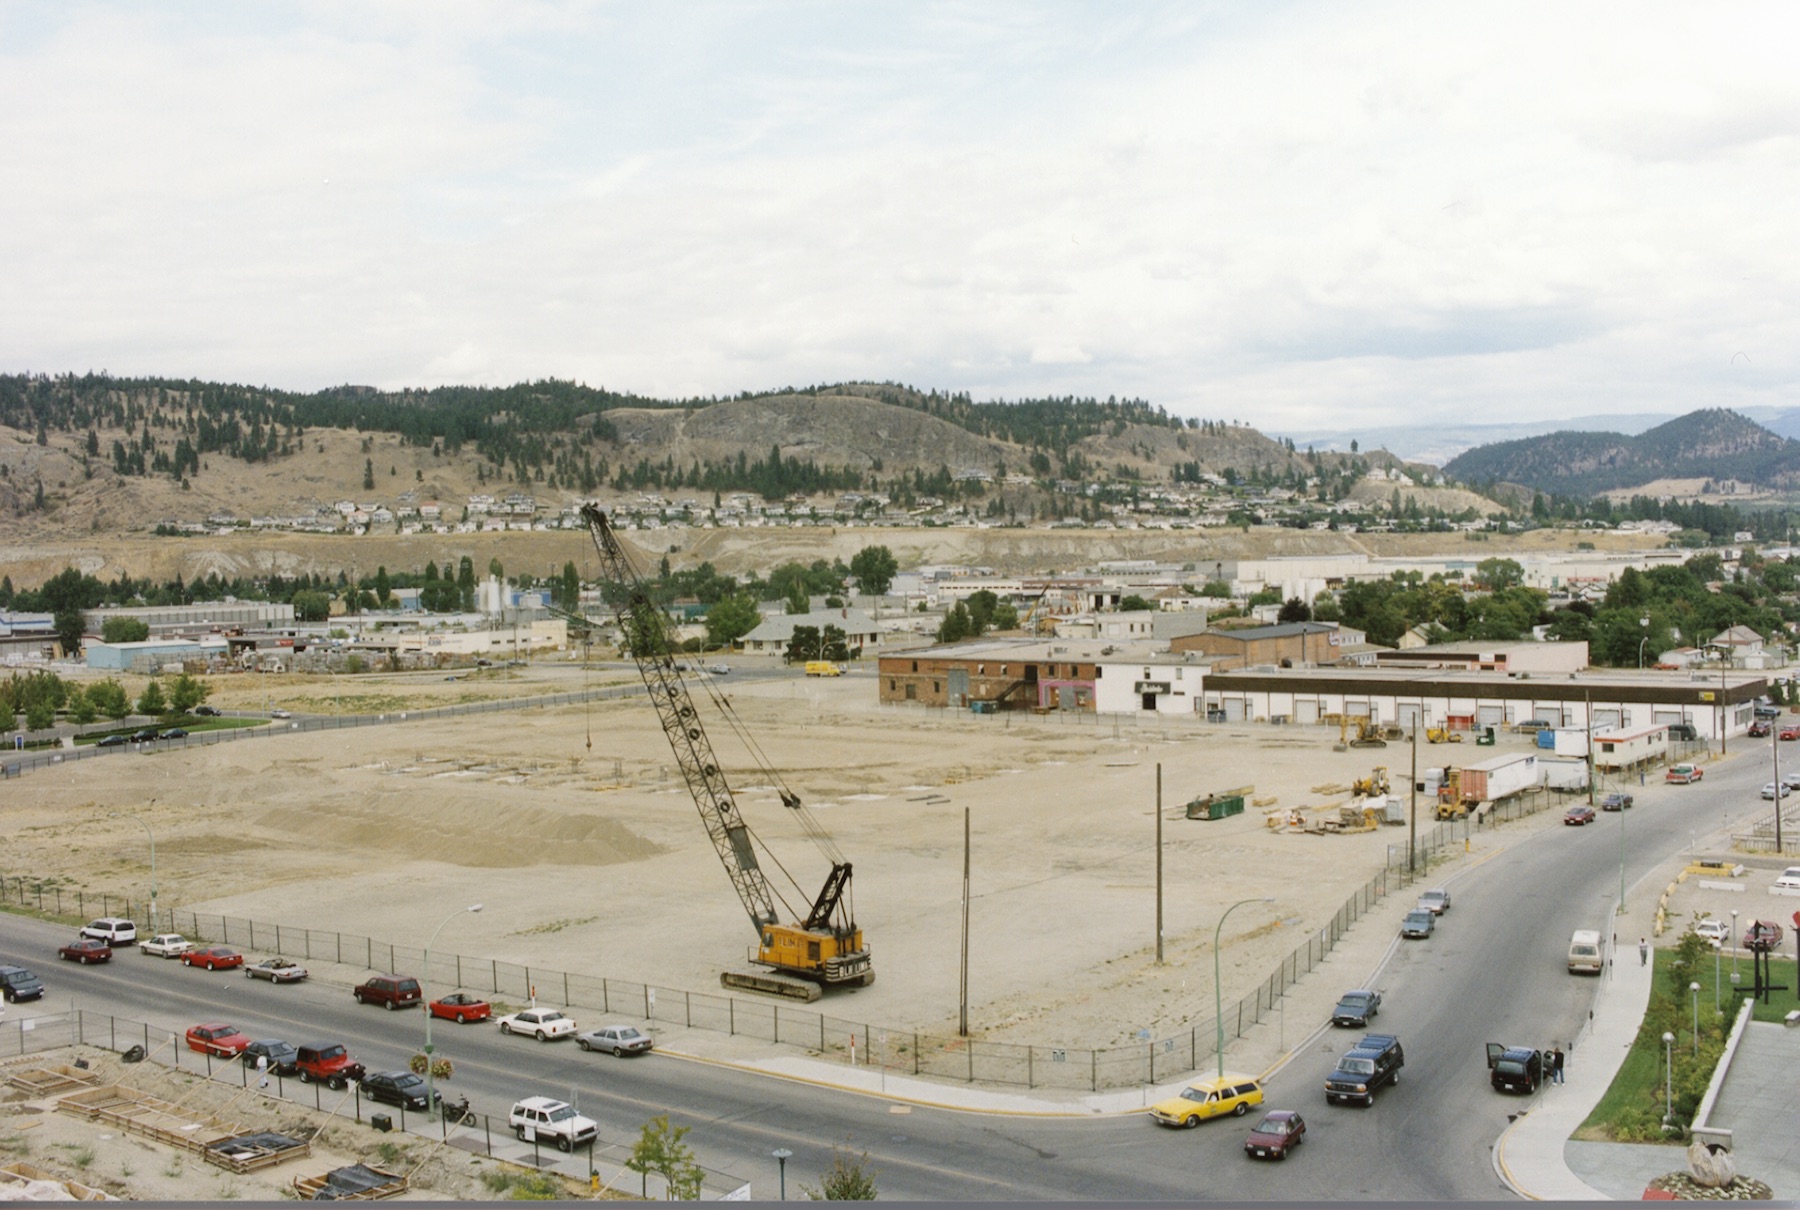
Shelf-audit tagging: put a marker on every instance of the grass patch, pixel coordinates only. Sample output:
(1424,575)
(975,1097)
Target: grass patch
(554,926)
(1635,1104)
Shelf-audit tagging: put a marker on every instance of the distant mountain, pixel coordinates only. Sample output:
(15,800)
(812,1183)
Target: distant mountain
(1709,444)
(1439,441)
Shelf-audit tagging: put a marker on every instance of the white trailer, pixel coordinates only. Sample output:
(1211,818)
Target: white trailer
(1498,776)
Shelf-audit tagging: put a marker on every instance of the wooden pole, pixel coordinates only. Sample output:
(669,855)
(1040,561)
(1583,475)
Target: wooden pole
(962,1027)
(1159,867)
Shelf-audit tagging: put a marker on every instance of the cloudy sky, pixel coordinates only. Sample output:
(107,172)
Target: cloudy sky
(1294,214)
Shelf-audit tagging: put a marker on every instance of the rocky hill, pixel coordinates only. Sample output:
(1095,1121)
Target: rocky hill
(1712,444)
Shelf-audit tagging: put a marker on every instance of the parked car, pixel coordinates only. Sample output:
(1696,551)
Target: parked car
(620,1040)
(114,930)
(17,983)
(1579,815)
(86,950)
(175,733)
(1356,1008)
(217,1038)
(1715,931)
(401,1088)
(461,1007)
(1683,731)
(1789,879)
(1771,789)
(1790,731)
(207,711)
(544,1024)
(1765,709)
(389,991)
(166,945)
(1759,728)
(112,741)
(1280,1131)
(1418,923)
(1791,780)
(1682,774)
(280,714)
(145,735)
(1620,801)
(1762,935)
(276,970)
(1209,1098)
(1514,1068)
(282,1056)
(1364,1068)
(537,1118)
(328,1063)
(1436,902)
(213,957)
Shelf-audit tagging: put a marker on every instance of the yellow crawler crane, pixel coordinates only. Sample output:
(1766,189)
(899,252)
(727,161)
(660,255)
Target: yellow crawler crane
(825,948)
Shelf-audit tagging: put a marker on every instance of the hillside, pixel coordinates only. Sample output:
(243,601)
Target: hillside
(95,454)
(1711,444)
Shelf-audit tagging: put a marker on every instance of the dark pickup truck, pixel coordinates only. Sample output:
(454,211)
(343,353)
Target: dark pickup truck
(1372,1062)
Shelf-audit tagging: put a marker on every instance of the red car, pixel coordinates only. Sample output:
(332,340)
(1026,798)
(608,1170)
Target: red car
(1579,815)
(1280,1131)
(213,958)
(460,1007)
(1758,729)
(1790,731)
(217,1038)
(86,950)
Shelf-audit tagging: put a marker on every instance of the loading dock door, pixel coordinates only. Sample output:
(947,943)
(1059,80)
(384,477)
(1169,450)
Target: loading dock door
(1409,716)
(959,687)
(1607,720)
(1306,710)
(1490,716)
(1234,709)
(1554,715)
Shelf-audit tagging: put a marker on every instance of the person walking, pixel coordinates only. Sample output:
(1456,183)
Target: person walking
(1556,1065)
(1643,952)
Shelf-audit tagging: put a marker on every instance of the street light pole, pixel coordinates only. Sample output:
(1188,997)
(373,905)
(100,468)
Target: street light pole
(425,1003)
(152,836)
(1668,1078)
(1694,988)
(782,1156)
(1218,993)
(1734,947)
(1645,623)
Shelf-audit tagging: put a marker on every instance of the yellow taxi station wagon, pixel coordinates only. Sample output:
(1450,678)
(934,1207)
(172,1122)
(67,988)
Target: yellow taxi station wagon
(1212,1097)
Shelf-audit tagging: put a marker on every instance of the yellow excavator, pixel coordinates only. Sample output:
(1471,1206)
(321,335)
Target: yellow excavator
(1368,733)
(1442,735)
(825,948)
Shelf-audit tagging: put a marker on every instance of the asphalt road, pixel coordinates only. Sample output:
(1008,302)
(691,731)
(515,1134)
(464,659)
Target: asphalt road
(1493,971)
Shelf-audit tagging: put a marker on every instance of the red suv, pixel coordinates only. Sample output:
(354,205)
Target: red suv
(389,991)
(329,1063)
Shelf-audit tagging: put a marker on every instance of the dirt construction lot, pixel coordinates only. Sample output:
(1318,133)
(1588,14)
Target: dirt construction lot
(572,827)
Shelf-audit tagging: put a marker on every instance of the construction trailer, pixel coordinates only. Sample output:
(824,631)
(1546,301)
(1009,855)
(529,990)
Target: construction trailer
(1498,777)
(1615,750)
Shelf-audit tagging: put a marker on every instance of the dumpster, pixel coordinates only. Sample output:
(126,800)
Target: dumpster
(1216,806)
(981,707)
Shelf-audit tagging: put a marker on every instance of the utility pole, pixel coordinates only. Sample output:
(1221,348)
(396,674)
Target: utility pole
(1159,867)
(1412,813)
(962,1027)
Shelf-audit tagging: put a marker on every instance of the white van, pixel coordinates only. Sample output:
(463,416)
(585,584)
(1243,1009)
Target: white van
(1585,954)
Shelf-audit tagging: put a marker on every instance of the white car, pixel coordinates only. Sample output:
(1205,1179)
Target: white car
(1768,790)
(1790,879)
(276,970)
(1715,931)
(114,930)
(280,714)
(544,1024)
(167,945)
(1791,780)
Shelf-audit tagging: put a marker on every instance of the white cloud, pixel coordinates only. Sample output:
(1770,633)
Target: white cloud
(1285,211)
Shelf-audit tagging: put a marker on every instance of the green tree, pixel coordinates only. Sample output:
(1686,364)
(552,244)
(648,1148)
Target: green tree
(151,701)
(957,625)
(440,596)
(311,606)
(40,715)
(465,581)
(1499,574)
(833,645)
(8,717)
(69,630)
(186,692)
(731,619)
(981,606)
(1294,610)
(368,474)
(384,587)
(660,1149)
(874,568)
(109,698)
(82,709)
(1133,603)
(850,1179)
(797,600)
(124,630)
(806,644)
(495,569)
(571,586)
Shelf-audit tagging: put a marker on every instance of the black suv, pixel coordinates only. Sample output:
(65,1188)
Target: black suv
(1514,1068)
(1372,1062)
